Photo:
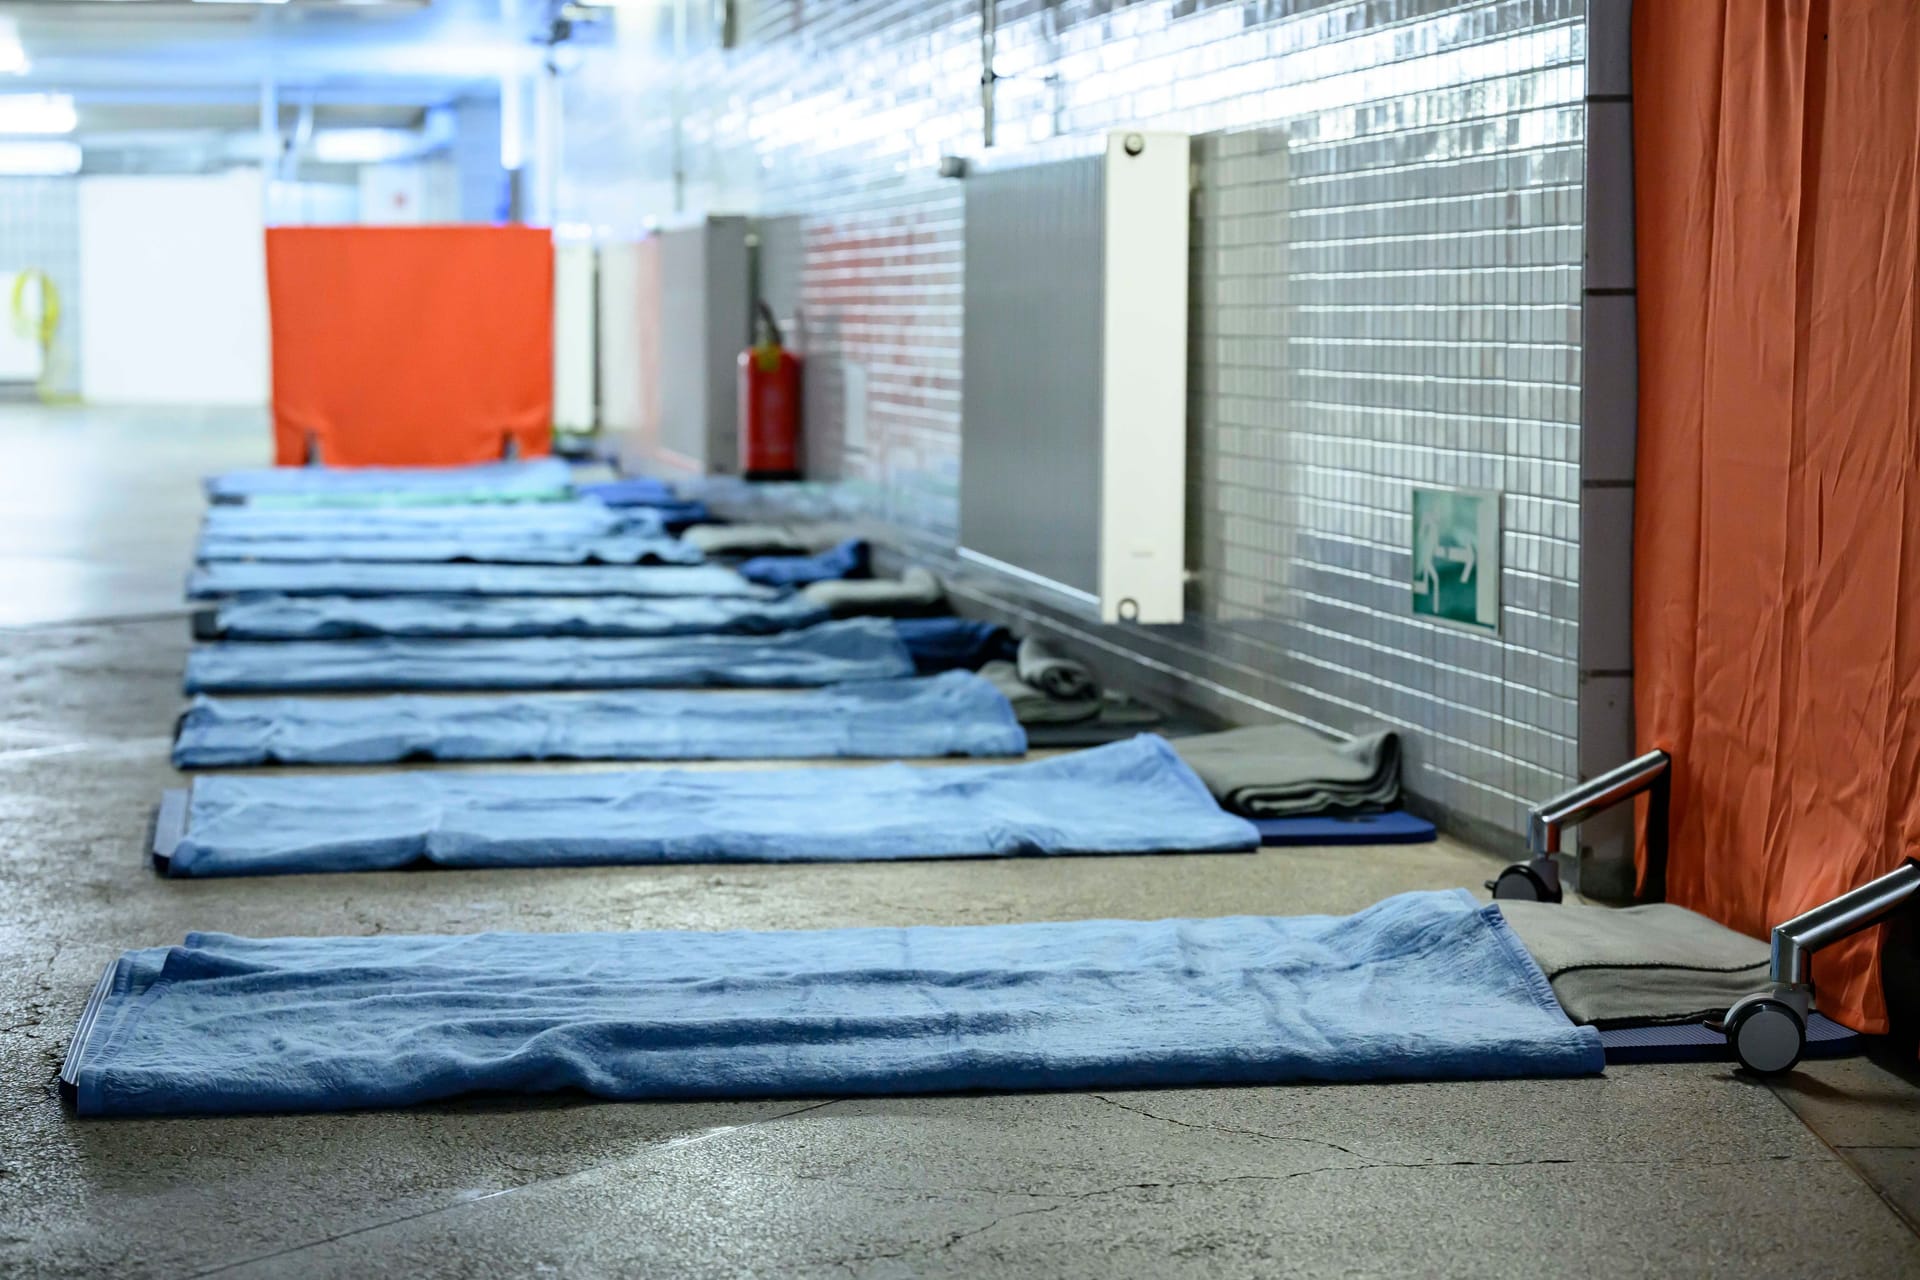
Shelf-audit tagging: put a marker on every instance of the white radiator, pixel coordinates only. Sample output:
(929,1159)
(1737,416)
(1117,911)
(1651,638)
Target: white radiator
(1074,377)
(574,346)
(629,294)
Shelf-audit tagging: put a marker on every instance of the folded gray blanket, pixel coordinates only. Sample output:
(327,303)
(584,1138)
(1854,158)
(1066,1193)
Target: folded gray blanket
(1032,705)
(747,540)
(1638,966)
(1053,673)
(912,594)
(1285,771)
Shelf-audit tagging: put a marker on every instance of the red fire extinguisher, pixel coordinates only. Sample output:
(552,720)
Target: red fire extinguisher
(769,404)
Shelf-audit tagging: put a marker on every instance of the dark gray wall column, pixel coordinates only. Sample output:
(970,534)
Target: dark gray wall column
(1610,407)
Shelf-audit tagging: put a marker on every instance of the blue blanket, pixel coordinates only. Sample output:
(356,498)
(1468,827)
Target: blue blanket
(581,519)
(954,644)
(339,617)
(849,559)
(483,482)
(636,492)
(1423,986)
(1128,797)
(952,715)
(335,578)
(632,491)
(476,548)
(831,653)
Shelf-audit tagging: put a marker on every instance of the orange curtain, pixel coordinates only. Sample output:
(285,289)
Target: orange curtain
(419,346)
(1777,528)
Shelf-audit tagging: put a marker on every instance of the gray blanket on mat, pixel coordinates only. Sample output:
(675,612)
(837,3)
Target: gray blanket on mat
(748,540)
(1044,686)
(1285,771)
(1638,966)
(915,593)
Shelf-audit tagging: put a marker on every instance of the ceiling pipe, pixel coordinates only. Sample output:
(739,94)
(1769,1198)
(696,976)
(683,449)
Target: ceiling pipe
(989,37)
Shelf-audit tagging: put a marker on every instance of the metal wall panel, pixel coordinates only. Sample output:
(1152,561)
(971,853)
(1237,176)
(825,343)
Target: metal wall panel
(1031,369)
(703,325)
(684,413)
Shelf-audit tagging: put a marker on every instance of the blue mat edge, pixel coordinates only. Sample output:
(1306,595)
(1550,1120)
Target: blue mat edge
(1694,1042)
(1396,826)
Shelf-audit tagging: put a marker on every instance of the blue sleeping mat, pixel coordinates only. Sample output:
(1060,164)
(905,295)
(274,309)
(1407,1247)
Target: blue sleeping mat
(579,519)
(486,481)
(1697,1042)
(474,548)
(1128,797)
(336,578)
(1423,986)
(340,617)
(1393,827)
(954,714)
(831,653)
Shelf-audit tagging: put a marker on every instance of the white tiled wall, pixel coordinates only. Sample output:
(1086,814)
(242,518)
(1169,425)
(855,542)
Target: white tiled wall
(1386,292)
(40,228)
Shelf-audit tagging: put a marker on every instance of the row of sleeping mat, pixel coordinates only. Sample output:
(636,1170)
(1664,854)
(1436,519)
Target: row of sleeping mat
(370,618)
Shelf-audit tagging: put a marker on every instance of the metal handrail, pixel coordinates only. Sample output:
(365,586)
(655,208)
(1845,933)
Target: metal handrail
(1651,773)
(1796,940)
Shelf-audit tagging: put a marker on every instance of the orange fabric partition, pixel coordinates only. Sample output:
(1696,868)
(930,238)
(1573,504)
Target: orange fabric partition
(419,346)
(1777,528)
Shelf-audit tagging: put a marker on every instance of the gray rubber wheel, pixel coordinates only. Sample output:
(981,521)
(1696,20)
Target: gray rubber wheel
(1767,1035)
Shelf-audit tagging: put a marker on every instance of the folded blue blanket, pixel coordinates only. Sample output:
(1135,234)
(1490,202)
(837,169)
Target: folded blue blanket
(335,578)
(632,491)
(534,476)
(954,644)
(578,519)
(831,653)
(474,548)
(675,516)
(849,559)
(1128,797)
(637,492)
(956,714)
(339,617)
(1423,986)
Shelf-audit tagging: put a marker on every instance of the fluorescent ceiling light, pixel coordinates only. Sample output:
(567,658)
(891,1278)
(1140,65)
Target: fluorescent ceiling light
(362,146)
(39,159)
(13,54)
(37,113)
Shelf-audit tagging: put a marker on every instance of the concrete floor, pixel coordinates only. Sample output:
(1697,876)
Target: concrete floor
(1651,1171)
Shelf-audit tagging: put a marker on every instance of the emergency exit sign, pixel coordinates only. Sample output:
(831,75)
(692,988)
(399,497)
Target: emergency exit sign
(1456,557)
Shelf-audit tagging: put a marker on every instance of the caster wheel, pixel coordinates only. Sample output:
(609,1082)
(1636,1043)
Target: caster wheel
(1522,883)
(1767,1035)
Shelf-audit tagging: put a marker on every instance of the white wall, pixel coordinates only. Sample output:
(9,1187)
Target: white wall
(20,356)
(173,293)
(409,193)
(312,204)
